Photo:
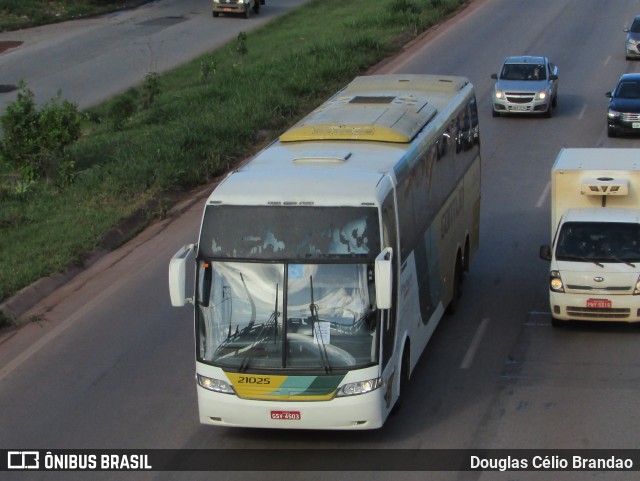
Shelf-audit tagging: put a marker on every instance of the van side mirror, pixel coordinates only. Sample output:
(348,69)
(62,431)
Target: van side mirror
(384,278)
(545,253)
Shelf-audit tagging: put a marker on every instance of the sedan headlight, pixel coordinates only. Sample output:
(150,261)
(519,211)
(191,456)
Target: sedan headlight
(542,95)
(361,387)
(613,114)
(499,94)
(215,385)
(555,282)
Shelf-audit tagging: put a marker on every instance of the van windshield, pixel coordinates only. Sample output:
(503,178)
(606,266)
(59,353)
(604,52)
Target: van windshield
(599,241)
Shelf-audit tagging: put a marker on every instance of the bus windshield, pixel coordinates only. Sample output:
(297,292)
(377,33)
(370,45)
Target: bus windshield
(286,316)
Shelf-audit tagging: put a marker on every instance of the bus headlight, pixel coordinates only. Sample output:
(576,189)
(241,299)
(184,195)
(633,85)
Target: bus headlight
(362,387)
(555,282)
(215,385)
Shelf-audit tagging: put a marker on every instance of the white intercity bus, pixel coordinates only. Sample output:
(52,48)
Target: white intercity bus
(325,263)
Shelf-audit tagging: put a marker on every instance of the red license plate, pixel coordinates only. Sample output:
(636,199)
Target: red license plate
(286,415)
(598,304)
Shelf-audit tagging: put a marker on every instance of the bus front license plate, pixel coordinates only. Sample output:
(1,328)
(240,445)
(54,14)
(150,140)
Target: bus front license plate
(286,415)
(598,304)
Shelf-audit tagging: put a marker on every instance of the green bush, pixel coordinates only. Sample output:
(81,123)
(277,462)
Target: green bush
(33,141)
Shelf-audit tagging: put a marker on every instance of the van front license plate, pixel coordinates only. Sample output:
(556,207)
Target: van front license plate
(598,304)
(286,415)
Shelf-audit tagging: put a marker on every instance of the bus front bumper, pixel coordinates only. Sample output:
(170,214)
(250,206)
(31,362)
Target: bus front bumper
(365,411)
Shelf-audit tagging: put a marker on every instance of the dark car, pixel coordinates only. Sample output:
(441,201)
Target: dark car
(623,116)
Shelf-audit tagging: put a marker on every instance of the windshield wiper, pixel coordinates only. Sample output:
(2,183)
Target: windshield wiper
(580,258)
(617,259)
(315,329)
(253,304)
(272,321)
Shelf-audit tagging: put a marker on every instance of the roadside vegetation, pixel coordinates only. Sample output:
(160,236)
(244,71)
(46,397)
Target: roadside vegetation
(174,132)
(16,14)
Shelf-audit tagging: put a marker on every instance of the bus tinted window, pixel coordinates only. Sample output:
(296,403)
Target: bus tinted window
(266,232)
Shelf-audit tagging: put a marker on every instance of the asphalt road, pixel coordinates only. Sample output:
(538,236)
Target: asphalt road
(92,59)
(110,364)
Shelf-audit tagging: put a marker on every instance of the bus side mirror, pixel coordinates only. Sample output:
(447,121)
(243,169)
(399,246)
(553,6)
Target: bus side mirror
(545,253)
(177,276)
(384,278)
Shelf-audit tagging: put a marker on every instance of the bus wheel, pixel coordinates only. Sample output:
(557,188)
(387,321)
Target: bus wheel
(457,287)
(404,379)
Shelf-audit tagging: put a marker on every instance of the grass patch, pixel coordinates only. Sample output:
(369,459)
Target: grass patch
(197,126)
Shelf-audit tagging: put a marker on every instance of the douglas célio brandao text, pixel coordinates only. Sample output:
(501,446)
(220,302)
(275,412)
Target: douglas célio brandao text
(532,463)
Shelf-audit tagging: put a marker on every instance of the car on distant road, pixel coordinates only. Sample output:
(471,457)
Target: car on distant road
(623,115)
(632,42)
(242,7)
(525,85)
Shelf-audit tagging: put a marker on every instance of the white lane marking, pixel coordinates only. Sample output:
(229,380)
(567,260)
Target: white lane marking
(475,342)
(582,112)
(544,195)
(606,62)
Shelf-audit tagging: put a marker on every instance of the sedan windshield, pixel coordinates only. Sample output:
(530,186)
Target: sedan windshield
(628,90)
(523,72)
(286,316)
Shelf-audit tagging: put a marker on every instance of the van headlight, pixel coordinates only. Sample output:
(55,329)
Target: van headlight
(215,385)
(555,282)
(636,289)
(361,387)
